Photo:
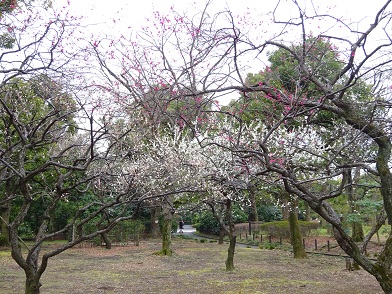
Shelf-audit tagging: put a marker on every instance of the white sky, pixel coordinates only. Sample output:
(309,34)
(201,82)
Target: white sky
(114,17)
(133,12)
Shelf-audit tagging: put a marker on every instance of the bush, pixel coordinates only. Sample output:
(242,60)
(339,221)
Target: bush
(269,213)
(239,215)
(269,246)
(3,241)
(207,224)
(282,229)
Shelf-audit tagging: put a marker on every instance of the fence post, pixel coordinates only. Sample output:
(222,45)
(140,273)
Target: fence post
(303,243)
(315,244)
(328,245)
(270,238)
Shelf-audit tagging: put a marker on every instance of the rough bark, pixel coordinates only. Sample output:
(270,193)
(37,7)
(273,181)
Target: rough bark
(228,227)
(295,236)
(5,217)
(307,212)
(230,253)
(380,220)
(285,209)
(252,193)
(232,236)
(5,210)
(357,232)
(106,240)
(222,234)
(32,284)
(356,227)
(166,229)
(155,231)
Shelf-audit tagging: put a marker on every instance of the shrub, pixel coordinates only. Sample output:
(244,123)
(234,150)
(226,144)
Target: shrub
(269,246)
(269,213)
(3,241)
(207,224)
(282,229)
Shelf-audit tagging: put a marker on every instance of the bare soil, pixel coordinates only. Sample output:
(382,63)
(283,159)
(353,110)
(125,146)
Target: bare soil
(194,268)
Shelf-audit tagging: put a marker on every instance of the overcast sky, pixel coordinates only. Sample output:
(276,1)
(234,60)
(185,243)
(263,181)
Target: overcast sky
(117,17)
(111,17)
(134,12)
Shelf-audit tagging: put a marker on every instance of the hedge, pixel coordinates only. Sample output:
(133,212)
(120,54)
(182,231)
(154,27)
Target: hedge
(282,229)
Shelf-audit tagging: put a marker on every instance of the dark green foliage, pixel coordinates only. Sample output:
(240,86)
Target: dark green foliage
(268,245)
(3,241)
(269,213)
(282,229)
(318,54)
(239,215)
(6,41)
(207,224)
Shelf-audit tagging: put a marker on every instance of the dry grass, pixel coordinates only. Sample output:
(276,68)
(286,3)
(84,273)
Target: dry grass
(195,268)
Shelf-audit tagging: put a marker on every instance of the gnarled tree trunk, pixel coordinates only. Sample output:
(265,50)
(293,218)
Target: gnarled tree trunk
(232,237)
(295,236)
(106,240)
(230,253)
(166,228)
(5,210)
(32,285)
(222,234)
(155,231)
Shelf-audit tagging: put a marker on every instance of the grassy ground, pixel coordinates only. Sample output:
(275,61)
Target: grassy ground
(195,268)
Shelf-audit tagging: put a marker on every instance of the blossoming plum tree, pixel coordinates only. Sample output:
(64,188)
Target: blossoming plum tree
(206,55)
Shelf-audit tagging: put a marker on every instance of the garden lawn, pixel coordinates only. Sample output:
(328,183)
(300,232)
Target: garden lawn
(194,268)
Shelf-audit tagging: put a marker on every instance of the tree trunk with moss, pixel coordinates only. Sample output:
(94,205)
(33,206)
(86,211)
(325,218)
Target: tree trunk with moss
(5,216)
(155,231)
(166,228)
(295,234)
(5,210)
(222,234)
(225,219)
(106,240)
(356,226)
(285,208)
(252,193)
(230,253)
(232,236)
(32,285)
(357,232)
(307,212)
